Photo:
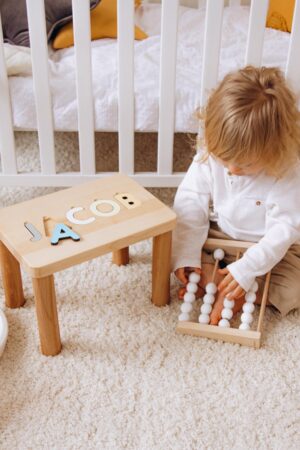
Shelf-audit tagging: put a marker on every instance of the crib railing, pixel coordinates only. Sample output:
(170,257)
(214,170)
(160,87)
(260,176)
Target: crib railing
(164,176)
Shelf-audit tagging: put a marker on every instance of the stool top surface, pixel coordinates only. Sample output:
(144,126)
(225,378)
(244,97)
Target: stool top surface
(120,212)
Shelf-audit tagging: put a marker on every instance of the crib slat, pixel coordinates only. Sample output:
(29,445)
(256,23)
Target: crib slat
(7,142)
(39,55)
(147,179)
(293,66)
(82,42)
(126,85)
(211,53)
(167,85)
(256,30)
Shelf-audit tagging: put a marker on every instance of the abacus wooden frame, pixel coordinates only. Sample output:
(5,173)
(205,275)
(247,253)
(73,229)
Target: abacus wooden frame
(250,338)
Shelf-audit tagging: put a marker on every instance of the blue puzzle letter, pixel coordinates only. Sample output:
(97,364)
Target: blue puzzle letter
(61,231)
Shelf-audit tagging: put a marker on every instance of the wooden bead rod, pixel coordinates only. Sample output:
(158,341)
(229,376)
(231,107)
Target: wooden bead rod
(215,270)
(263,302)
(217,262)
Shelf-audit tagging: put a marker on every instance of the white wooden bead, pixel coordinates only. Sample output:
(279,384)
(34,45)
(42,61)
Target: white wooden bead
(248,307)
(189,297)
(211,288)
(209,298)
(250,297)
(244,326)
(186,307)
(227,313)
(219,254)
(228,303)
(194,277)
(192,287)
(183,317)
(246,318)
(206,308)
(224,323)
(254,287)
(204,318)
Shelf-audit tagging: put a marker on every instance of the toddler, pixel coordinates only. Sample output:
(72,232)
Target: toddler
(244,184)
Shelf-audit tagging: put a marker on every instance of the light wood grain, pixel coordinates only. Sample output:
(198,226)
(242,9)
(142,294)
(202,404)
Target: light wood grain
(227,244)
(121,257)
(264,302)
(46,311)
(161,261)
(144,218)
(103,235)
(233,335)
(11,277)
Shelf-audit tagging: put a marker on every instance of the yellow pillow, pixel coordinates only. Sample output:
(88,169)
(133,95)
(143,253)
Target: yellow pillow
(280,14)
(103,25)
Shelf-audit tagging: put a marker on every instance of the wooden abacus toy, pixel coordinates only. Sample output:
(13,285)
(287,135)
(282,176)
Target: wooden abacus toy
(223,331)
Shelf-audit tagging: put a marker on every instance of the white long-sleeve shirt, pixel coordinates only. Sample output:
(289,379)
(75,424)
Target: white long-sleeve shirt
(256,208)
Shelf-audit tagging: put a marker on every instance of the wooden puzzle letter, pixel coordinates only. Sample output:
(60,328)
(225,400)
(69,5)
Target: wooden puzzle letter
(36,235)
(115,208)
(72,219)
(62,231)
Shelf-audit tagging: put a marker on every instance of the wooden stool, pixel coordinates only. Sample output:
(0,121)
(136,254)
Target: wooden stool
(108,215)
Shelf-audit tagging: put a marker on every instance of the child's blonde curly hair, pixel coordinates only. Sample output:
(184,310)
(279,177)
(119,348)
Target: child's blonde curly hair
(252,117)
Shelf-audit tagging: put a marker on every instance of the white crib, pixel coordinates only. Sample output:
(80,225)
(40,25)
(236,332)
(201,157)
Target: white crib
(164,175)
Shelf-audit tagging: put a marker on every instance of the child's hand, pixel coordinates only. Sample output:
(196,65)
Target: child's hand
(183,273)
(229,287)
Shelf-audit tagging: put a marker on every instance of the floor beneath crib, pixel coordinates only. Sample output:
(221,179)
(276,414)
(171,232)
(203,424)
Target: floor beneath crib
(124,379)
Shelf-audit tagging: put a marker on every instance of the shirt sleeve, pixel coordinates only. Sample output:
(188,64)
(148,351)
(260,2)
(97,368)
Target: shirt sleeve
(282,230)
(191,205)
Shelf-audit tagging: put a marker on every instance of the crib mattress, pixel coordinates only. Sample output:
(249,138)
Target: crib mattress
(146,82)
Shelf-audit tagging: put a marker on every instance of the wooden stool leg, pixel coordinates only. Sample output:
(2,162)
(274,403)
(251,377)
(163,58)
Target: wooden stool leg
(45,303)
(161,262)
(12,280)
(121,257)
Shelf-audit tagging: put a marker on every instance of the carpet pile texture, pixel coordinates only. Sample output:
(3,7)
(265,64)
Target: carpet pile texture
(125,380)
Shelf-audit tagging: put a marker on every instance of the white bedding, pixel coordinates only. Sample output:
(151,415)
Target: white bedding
(18,60)
(105,79)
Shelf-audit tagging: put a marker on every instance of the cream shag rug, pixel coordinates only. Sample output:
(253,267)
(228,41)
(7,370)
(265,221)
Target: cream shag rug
(125,380)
